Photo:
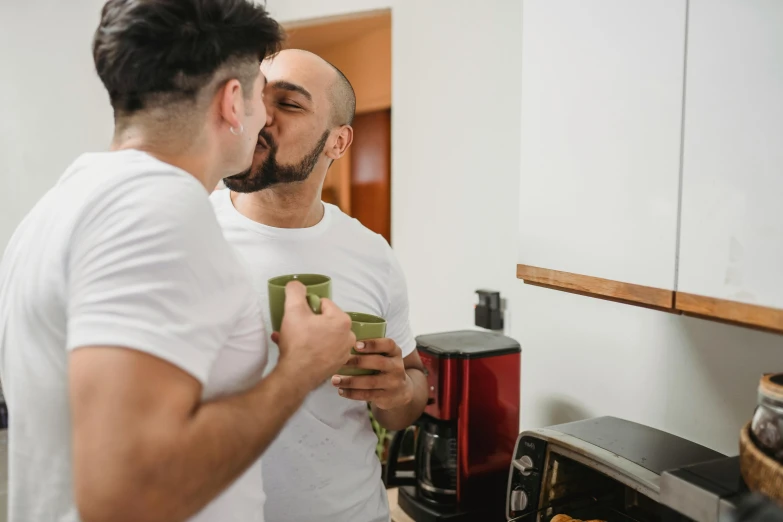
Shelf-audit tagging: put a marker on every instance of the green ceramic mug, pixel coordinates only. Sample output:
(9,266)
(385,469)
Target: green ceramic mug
(364,326)
(318,286)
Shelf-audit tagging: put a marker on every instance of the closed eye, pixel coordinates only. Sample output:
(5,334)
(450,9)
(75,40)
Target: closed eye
(289,105)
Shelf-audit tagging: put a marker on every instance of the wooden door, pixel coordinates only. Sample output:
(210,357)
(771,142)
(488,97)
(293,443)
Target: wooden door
(371,171)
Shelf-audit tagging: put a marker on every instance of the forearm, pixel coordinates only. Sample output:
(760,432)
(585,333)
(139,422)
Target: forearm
(226,436)
(177,475)
(402,417)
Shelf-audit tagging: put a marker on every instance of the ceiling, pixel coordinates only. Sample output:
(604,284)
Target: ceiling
(326,33)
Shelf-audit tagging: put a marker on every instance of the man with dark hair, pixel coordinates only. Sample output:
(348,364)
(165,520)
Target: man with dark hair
(323,465)
(132,345)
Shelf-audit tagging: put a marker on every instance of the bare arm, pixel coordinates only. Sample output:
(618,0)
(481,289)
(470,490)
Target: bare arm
(398,394)
(151,452)
(146,450)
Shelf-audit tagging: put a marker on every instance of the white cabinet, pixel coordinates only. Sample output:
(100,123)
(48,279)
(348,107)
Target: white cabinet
(602,94)
(732,194)
(652,154)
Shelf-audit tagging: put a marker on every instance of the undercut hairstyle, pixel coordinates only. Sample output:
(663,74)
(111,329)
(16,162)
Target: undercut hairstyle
(153,53)
(343,99)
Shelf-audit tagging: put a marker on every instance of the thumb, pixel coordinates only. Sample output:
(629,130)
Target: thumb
(295,297)
(329,308)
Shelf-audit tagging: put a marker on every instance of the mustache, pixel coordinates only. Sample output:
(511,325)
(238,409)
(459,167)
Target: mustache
(270,141)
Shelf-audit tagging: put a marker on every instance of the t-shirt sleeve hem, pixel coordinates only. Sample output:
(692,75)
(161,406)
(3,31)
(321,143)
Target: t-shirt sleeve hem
(408,347)
(158,346)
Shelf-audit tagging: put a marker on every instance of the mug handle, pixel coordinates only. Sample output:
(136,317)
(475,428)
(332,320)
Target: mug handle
(315,303)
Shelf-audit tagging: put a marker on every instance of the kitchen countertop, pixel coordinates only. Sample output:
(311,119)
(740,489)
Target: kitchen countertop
(397,514)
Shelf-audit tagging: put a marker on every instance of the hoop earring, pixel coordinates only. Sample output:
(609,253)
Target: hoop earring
(241,130)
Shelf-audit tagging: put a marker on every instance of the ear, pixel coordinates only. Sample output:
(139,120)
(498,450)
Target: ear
(231,104)
(341,144)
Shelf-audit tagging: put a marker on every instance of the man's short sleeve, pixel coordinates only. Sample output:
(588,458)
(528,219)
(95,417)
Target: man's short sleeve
(149,270)
(397,319)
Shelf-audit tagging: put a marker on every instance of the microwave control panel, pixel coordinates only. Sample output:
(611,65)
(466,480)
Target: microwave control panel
(524,482)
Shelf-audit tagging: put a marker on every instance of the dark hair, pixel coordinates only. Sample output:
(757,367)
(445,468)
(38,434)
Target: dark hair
(147,47)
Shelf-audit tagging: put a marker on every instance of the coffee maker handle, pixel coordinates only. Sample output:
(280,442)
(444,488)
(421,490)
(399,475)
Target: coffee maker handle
(393,477)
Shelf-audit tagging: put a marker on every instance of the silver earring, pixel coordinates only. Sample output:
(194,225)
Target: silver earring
(234,132)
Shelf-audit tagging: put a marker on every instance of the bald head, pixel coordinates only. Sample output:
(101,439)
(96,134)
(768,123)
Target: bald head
(343,99)
(339,91)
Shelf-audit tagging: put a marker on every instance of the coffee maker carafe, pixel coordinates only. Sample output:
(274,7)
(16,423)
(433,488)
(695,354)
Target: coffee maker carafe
(465,439)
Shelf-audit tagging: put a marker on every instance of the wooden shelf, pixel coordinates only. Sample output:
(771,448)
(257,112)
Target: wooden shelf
(761,317)
(722,310)
(596,287)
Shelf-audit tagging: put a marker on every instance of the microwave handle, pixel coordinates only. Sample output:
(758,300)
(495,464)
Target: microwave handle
(393,477)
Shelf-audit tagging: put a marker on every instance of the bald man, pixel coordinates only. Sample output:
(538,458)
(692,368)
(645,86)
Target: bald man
(323,465)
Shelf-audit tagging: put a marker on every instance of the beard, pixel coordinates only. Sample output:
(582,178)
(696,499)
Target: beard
(271,173)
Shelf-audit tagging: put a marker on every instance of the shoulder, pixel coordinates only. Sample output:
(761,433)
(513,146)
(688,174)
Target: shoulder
(358,234)
(139,191)
(371,247)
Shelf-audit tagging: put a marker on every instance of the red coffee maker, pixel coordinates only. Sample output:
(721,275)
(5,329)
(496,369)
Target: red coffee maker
(465,439)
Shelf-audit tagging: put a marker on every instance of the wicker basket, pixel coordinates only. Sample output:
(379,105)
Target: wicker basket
(761,472)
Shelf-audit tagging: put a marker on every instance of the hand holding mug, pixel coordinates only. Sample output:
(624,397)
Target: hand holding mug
(389,386)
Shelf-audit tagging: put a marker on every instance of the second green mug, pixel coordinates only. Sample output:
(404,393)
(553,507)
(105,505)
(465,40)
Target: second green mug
(364,326)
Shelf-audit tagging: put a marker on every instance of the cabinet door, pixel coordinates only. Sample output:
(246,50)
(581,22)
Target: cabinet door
(732,198)
(602,93)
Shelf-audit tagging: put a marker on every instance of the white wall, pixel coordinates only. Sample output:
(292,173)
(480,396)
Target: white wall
(52,103)
(456,140)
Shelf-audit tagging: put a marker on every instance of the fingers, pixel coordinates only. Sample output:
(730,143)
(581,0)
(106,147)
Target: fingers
(380,346)
(332,311)
(295,297)
(362,395)
(328,308)
(372,362)
(365,382)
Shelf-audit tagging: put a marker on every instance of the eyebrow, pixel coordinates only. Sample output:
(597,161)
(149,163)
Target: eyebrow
(288,86)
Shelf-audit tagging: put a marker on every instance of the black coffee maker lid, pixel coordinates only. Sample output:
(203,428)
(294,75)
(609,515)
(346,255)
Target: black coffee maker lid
(467,344)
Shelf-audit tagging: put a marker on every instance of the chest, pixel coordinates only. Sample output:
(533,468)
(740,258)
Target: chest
(359,279)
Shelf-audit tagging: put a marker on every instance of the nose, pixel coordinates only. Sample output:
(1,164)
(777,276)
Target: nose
(266,113)
(269,112)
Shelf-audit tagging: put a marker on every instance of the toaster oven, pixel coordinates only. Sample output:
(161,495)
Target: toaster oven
(605,469)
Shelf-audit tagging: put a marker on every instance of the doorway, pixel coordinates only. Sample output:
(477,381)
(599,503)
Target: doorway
(360,46)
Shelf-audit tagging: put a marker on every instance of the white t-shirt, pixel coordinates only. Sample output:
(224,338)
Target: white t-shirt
(323,464)
(123,251)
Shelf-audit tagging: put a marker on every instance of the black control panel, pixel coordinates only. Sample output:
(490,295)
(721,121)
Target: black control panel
(524,487)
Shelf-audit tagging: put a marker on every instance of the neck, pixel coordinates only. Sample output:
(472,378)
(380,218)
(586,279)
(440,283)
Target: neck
(193,157)
(292,205)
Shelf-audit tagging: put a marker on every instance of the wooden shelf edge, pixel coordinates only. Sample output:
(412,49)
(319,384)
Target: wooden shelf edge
(719,310)
(731,312)
(646,296)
